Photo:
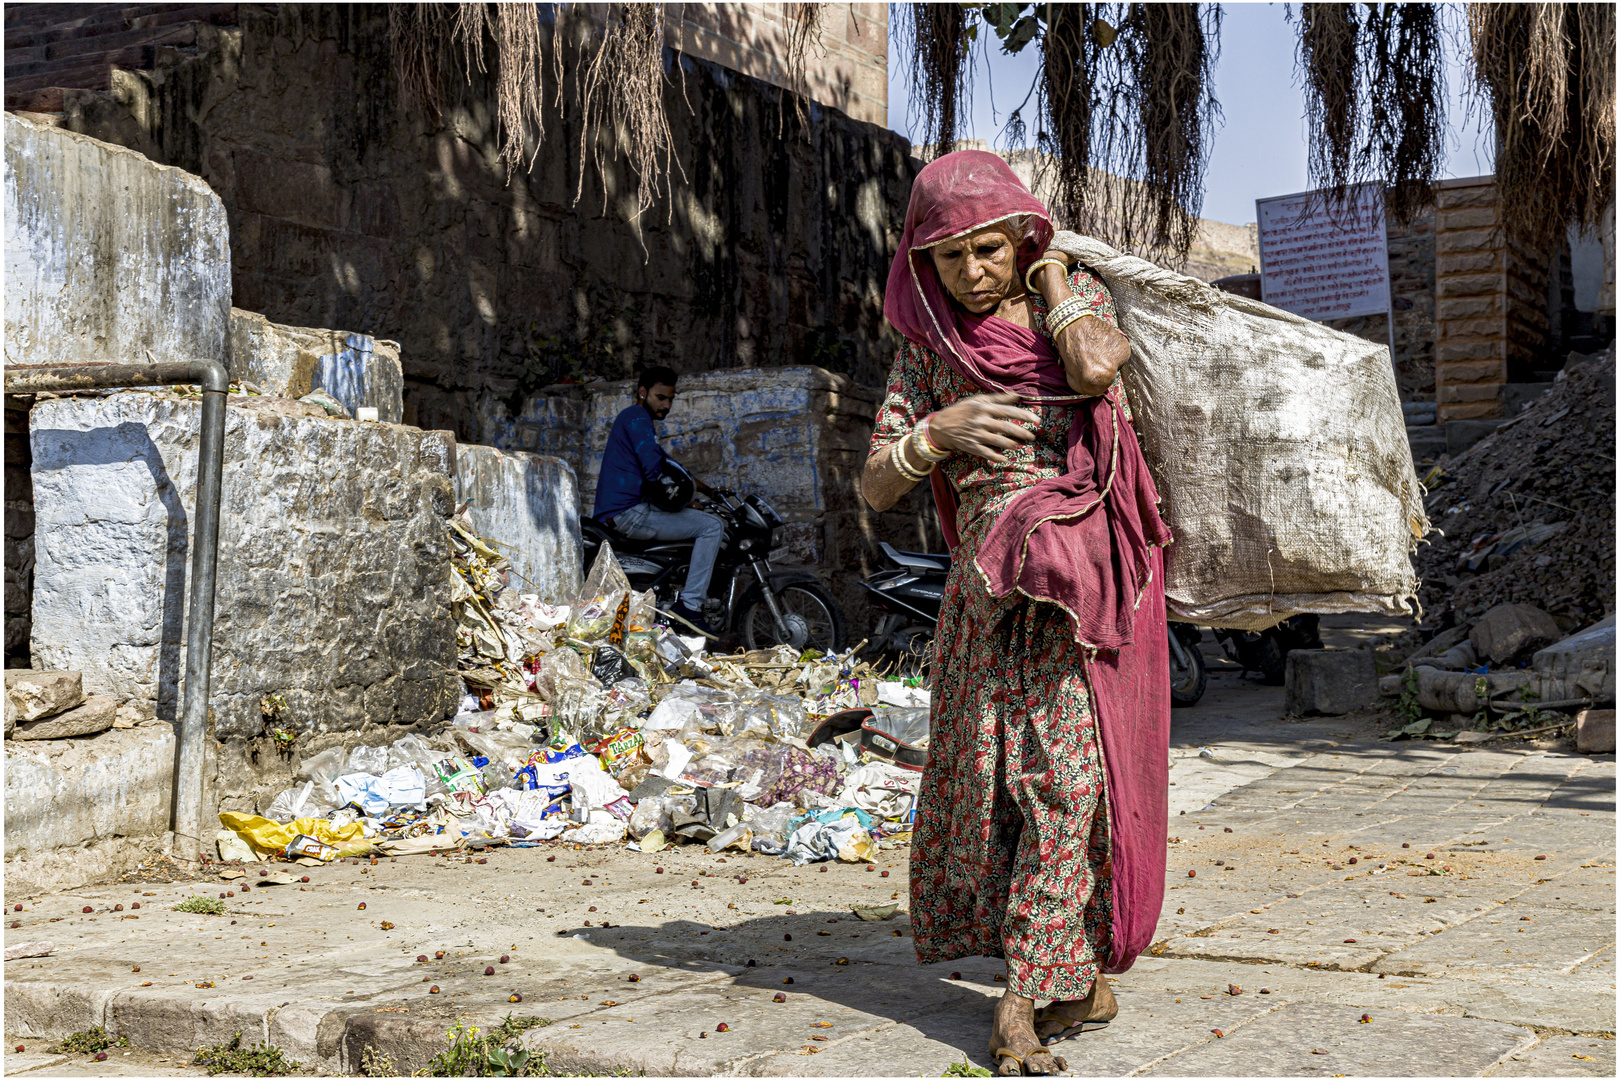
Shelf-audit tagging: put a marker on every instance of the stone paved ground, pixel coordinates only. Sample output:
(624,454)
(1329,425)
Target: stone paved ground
(1494,957)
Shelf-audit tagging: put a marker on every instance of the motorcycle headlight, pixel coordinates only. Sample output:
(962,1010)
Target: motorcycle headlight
(745,545)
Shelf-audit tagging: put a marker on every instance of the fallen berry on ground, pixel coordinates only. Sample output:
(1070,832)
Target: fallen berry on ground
(489,971)
(779,997)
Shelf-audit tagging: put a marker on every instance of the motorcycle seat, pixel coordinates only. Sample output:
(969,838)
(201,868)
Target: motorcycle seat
(592,529)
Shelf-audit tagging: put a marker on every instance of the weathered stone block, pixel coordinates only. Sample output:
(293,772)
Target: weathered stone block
(1450,195)
(38,694)
(1448,284)
(357,369)
(528,504)
(80,809)
(93,717)
(1329,681)
(1449,391)
(1468,410)
(333,571)
(1594,731)
(1508,631)
(1467,307)
(1580,665)
(1450,351)
(1477,217)
(1466,371)
(98,240)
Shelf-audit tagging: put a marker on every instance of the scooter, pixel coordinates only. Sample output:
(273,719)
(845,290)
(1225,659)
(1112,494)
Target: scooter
(762,605)
(908,594)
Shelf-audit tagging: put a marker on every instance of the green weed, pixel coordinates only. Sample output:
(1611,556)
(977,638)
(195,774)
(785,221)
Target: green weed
(202,905)
(93,1041)
(261,1059)
(493,1053)
(964,1068)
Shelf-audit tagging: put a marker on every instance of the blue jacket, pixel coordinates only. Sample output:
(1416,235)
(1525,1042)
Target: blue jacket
(632,455)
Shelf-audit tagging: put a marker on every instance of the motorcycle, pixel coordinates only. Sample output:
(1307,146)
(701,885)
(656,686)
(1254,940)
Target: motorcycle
(762,605)
(1266,651)
(908,596)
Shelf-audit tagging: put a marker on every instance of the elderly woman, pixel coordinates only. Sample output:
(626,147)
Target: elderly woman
(1041,822)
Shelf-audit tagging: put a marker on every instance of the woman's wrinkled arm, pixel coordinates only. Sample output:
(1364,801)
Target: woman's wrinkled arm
(881,483)
(1093,349)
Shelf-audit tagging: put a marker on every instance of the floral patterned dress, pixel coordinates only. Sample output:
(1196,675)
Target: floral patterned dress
(1010,851)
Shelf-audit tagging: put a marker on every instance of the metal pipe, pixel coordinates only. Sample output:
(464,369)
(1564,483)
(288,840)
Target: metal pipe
(212,376)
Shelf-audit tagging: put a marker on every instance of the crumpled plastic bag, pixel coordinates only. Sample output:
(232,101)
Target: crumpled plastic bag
(233,848)
(403,786)
(269,837)
(883,790)
(770,827)
(844,838)
(368,759)
(602,828)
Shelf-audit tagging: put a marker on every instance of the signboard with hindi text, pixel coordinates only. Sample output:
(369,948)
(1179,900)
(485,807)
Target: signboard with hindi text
(1325,262)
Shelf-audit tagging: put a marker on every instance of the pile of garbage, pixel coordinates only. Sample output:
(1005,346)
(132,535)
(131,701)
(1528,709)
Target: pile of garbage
(1527,515)
(595,722)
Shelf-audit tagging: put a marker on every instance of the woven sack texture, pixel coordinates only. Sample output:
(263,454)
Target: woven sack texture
(1278,447)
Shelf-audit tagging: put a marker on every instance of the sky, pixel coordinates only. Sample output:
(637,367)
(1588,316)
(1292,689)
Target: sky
(1259,148)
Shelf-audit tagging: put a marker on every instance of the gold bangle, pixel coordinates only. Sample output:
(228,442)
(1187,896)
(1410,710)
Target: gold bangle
(1070,321)
(1061,310)
(1029,274)
(926,445)
(897,457)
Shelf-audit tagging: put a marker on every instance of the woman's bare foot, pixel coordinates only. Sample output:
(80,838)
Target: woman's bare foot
(1013,1042)
(1069,1017)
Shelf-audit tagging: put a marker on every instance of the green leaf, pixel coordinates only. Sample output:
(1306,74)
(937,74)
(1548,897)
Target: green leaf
(1418,727)
(1022,34)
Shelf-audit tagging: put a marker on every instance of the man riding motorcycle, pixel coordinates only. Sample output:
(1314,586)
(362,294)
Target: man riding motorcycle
(632,459)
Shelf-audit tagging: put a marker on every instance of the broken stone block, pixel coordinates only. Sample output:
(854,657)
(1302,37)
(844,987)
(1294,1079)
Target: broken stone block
(1463,691)
(38,694)
(93,717)
(1582,665)
(1509,631)
(1440,643)
(1594,731)
(1457,658)
(292,361)
(1329,681)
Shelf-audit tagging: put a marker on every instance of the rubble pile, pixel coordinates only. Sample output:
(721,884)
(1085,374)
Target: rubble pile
(1527,515)
(596,723)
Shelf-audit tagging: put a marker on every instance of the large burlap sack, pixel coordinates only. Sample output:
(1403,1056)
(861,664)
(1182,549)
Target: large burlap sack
(1278,447)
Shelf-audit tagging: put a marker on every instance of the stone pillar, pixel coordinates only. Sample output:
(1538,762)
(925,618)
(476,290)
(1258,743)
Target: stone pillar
(1490,301)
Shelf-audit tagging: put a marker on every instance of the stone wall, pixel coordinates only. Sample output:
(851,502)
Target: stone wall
(528,506)
(350,207)
(846,65)
(1491,301)
(1411,289)
(333,587)
(798,437)
(108,259)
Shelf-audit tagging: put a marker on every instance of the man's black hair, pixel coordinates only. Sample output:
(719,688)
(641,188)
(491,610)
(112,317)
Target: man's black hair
(657,375)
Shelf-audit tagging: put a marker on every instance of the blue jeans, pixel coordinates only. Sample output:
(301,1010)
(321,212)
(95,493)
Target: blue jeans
(642,522)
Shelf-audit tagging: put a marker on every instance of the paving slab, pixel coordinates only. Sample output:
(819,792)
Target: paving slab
(1281,1043)
(1561,1055)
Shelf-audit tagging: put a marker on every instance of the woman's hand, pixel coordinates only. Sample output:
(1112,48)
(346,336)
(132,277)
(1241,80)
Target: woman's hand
(983,425)
(1093,351)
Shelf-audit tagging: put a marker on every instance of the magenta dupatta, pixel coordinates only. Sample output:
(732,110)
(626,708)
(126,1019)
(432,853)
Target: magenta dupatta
(1088,541)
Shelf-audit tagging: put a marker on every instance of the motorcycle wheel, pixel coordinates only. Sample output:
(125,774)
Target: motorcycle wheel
(812,615)
(1270,658)
(1186,687)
